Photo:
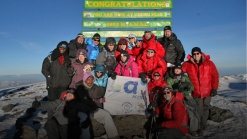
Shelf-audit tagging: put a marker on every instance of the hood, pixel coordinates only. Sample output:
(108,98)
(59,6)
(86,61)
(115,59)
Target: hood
(123,40)
(153,38)
(86,75)
(110,40)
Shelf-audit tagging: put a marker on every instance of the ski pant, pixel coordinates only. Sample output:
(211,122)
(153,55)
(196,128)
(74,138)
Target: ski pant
(203,109)
(104,117)
(55,130)
(55,93)
(170,133)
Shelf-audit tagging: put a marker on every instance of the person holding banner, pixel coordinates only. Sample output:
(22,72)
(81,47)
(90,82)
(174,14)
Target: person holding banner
(150,61)
(127,66)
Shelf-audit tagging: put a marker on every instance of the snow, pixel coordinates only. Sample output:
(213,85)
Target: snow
(231,96)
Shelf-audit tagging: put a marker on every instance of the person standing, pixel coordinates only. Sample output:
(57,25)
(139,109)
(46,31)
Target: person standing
(174,49)
(205,79)
(57,70)
(75,44)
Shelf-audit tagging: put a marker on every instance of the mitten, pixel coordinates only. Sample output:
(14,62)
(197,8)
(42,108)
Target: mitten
(36,104)
(143,77)
(114,76)
(183,86)
(213,92)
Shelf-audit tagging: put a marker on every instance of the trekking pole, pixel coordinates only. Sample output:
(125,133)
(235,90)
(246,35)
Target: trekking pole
(153,120)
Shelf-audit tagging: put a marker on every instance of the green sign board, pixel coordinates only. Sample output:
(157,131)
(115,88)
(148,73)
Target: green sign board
(131,4)
(104,34)
(125,24)
(129,14)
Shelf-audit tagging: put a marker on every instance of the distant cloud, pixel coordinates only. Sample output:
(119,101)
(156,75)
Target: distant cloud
(31,46)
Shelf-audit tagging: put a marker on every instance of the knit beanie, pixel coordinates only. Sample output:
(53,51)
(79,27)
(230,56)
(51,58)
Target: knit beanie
(196,49)
(167,28)
(81,52)
(86,75)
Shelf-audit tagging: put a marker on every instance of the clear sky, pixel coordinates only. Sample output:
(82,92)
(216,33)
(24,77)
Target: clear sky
(30,29)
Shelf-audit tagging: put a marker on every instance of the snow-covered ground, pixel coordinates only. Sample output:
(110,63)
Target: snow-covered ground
(231,96)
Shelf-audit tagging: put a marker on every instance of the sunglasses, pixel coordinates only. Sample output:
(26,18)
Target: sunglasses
(99,71)
(121,44)
(167,92)
(96,40)
(195,54)
(156,75)
(131,38)
(150,51)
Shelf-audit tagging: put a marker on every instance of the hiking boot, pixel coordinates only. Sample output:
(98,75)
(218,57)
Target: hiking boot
(200,132)
(194,134)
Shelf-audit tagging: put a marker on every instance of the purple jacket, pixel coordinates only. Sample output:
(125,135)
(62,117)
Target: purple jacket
(130,69)
(79,72)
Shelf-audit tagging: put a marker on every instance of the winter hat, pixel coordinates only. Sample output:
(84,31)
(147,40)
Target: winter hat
(80,35)
(196,49)
(178,66)
(63,44)
(81,52)
(96,36)
(167,87)
(156,73)
(132,35)
(100,68)
(122,41)
(167,28)
(110,40)
(86,75)
(125,53)
(148,31)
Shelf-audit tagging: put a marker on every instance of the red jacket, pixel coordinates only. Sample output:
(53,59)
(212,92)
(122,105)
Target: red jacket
(204,77)
(145,44)
(149,64)
(156,85)
(174,113)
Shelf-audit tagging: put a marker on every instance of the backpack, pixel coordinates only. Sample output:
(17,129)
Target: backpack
(193,115)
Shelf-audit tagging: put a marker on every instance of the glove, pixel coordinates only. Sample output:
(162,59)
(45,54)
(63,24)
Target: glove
(36,104)
(183,86)
(48,80)
(114,76)
(143,77)
(213,92)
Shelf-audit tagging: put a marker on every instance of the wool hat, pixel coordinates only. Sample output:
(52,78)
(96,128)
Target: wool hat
(86,75)
(63,44)
(178,66)
(100,68)
(167,28)
(81,52)
(122,41)
(96,36)
(148,31)
(167,87)
(80,35)
(196,49)
(132,35)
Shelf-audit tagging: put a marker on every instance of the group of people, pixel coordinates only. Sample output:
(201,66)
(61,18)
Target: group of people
(77,73)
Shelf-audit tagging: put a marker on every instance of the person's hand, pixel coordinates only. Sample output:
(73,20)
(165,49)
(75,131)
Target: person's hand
(183,86)
(143,77)
(114,76)
(213,92)
(36,104)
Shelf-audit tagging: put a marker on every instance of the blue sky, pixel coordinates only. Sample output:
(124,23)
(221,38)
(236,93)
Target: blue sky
(30,29)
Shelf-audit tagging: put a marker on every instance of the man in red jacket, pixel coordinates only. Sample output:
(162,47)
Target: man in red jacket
(205,79)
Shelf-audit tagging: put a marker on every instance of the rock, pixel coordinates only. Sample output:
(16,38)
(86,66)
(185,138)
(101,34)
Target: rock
(28,133)
(8,107)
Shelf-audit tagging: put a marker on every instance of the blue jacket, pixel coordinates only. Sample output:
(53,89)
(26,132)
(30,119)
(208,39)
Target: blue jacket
(92,49)
(102,81)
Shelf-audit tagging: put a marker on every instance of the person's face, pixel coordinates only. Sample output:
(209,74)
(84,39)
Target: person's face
(62,50)
(156,77)
(132,40)
(150,53)
(123,58)
(81,58)
(122,46)
(168,33)
(98,73)
(147,36)
(177,71)
(167,94)
(96,41)
(80,39)
(89,81)
(69,96)
(197,56)
(111,47)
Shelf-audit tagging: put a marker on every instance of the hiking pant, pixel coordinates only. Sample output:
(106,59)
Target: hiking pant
(170,133)
(85,132)
(203,109)
(104,117)
(55,93)
(55,130)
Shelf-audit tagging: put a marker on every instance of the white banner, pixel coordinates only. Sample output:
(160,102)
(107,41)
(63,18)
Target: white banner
(126,96)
